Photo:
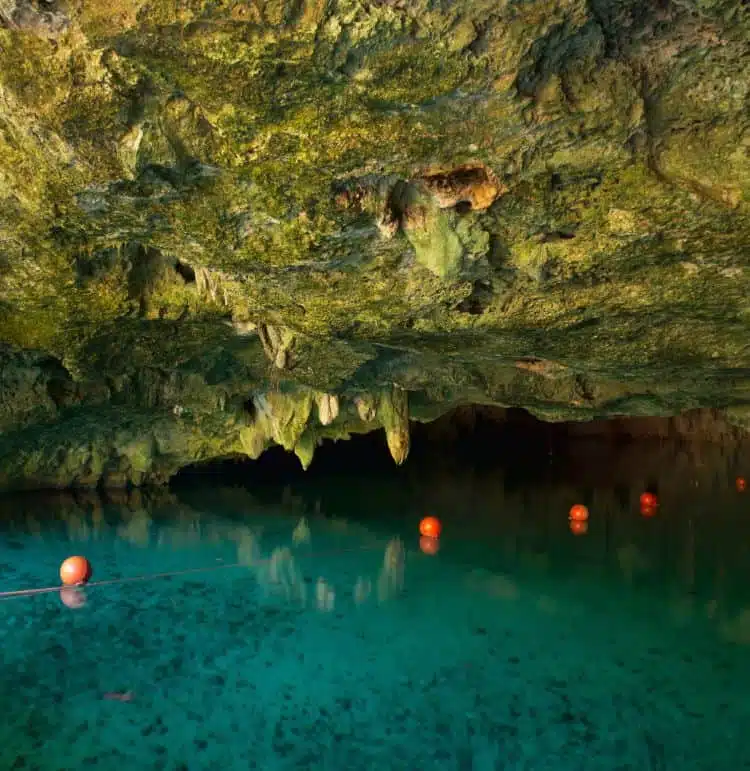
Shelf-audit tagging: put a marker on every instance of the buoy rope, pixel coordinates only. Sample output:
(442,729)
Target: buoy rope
(9,595)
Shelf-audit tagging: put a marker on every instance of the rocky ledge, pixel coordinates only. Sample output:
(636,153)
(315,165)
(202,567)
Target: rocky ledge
(225,225)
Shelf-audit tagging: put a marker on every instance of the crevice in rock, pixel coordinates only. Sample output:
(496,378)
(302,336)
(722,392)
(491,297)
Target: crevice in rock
(249,408)
(61,392)
(478,301)
(185,271)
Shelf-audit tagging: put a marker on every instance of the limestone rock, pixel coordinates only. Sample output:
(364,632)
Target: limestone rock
(539,207)
(305,449)
(278,344)
(393,411)
(33,387)
(366,407)
(473,184)
(41,18)
(328,408)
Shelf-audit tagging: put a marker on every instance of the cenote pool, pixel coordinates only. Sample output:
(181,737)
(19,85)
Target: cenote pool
(316,634)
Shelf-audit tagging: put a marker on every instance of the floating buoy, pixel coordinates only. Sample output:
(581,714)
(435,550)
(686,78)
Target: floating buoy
(75,571)
(740,484)
(429,545)
(578,513)
(430,527)
(649,501)
(579,526)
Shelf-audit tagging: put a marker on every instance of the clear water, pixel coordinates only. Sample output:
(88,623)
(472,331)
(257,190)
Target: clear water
(517,646)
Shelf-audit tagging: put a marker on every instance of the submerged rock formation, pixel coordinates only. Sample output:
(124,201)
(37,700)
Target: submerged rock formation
(215,217)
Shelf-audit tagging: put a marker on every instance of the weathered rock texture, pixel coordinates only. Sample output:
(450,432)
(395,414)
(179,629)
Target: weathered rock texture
(227,224)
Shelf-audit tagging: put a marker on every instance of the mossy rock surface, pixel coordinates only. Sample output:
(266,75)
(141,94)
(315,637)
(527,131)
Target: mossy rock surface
(543,205)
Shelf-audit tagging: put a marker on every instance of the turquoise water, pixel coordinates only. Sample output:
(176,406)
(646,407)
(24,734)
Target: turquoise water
(341,645)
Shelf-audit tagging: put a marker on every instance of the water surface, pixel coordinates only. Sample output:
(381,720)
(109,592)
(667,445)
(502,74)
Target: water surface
(344,646)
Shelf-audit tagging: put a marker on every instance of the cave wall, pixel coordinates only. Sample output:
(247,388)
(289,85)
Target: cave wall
(538,205)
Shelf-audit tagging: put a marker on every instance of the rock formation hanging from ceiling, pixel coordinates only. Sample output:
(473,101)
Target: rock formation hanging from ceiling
(234,223)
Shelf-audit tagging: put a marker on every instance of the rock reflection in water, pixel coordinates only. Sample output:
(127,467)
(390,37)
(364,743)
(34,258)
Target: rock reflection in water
(136,529)
(391,576)
(509,533)
(281,576)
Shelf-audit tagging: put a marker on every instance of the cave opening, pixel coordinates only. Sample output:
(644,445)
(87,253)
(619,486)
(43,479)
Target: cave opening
(481,442)
(464,438)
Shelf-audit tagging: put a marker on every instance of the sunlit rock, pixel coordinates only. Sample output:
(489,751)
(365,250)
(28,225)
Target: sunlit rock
(328,408)
(547,369)
(473,183)
(207,283)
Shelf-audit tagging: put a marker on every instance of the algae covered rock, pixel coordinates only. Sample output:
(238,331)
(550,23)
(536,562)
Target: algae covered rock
(226,209)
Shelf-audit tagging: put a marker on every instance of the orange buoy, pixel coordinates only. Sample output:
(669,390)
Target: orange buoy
(429,545)
(740,484)
(430,527)
(649,501)
(578,513)
(579,526)
(649,511)
(75,571)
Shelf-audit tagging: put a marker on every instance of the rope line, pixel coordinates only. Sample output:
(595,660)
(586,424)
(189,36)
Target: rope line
(8,595)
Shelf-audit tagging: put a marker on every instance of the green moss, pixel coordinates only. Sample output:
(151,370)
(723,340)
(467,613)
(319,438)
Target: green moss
(212,142)
(435,242)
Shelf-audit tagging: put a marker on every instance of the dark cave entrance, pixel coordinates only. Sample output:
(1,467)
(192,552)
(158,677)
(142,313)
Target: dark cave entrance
(484,441)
